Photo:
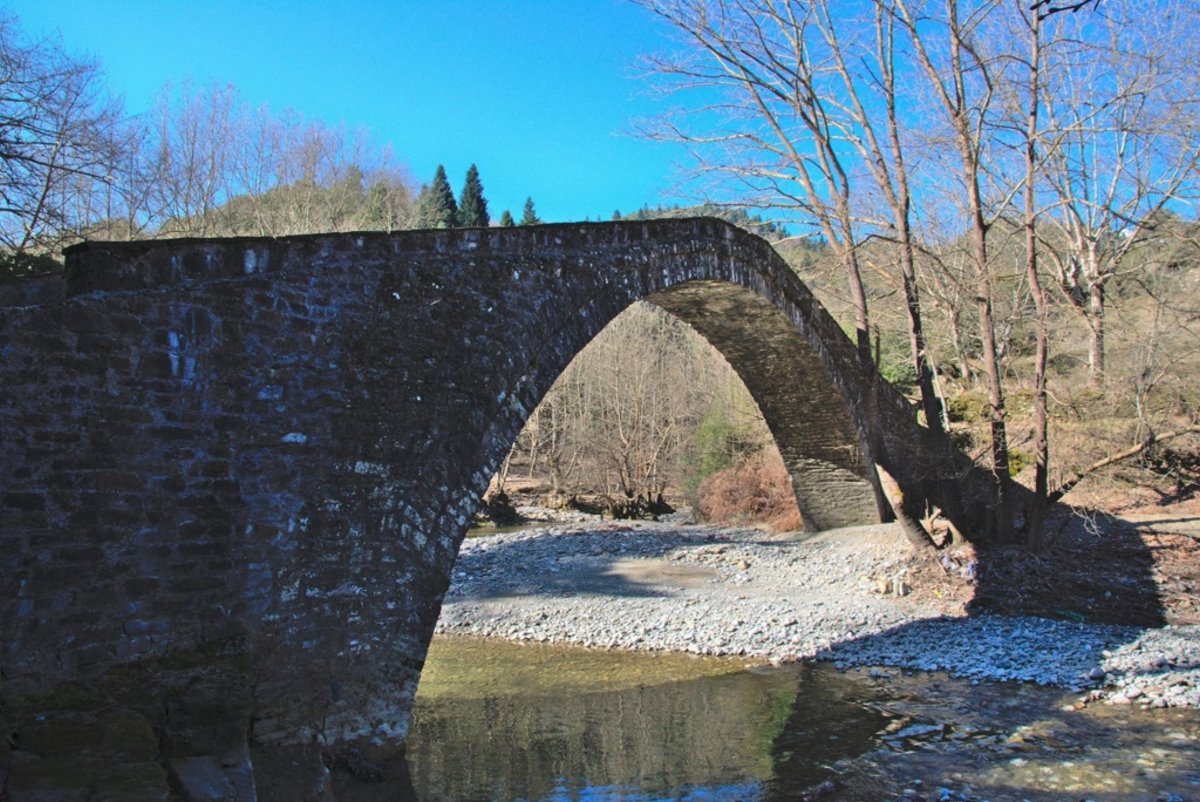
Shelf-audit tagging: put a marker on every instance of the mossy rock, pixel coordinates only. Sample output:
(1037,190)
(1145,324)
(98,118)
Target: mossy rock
(185,663)
(971,406)
(61,779)
(61,734)
(1018,461)
(205,720)
(67,696)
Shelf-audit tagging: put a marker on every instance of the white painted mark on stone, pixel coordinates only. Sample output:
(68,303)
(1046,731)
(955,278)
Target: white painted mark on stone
(295,437)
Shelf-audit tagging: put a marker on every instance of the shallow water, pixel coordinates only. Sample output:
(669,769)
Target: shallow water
(497,721)
(506,722)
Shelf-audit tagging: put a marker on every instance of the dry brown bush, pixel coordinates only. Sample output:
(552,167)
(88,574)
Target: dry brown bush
(757,490)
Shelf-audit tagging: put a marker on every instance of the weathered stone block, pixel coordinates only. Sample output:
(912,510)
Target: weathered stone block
(133,782)
(201,779)
(51,779)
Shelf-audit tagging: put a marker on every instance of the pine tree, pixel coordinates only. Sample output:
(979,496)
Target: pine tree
(472,206)
(506,220)
(379,208)
(422,216)
(529,217)
(435,204)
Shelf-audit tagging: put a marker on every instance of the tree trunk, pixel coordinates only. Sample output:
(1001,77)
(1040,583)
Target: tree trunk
(1003,518)
(1095,317)
(958,108)
(862,322)
(931,405)
(1037,512)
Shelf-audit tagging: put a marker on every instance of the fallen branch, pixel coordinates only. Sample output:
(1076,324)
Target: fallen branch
(1132,451)
(1151,530)
(934,520)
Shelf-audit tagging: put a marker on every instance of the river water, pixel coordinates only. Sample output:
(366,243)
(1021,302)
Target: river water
(504,722)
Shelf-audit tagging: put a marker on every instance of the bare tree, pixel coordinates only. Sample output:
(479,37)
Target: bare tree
(961,85)
(1048,8)
(1041,446)
(202,163)
(866,112)
(1122,144)
(58,137)
(220,168)
(621,421)
(775,138)
(195,131)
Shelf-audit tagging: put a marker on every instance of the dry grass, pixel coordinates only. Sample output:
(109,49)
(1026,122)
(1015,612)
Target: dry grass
(758,490)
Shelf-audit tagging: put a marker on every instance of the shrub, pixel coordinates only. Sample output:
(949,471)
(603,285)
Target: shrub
(969,406)
(757,490)
(895,362)
(718,444)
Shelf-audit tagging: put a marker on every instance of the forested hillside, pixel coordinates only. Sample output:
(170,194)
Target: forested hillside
(995,183)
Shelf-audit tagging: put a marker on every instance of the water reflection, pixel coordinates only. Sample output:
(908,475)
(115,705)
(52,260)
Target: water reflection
(644,727)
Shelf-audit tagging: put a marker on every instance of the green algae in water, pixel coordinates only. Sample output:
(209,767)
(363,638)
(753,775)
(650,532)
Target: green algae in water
(498,722)
(461,667)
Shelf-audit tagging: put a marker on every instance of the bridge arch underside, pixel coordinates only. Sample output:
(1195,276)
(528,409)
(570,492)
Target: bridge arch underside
(802,405)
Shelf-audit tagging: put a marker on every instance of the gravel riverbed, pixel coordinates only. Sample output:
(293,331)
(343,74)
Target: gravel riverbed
(708,590)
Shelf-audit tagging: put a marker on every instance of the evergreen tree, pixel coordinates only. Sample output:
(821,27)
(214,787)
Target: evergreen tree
(506,220)
(472,206)
(447,209)
(529,216)
(616,215)
(435,204)
(423,214)
(378,212)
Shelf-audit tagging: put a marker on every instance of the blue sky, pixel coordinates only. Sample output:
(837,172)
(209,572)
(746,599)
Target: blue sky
(540,94)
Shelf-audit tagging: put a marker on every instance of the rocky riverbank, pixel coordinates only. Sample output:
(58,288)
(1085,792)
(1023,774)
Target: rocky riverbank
(840,596)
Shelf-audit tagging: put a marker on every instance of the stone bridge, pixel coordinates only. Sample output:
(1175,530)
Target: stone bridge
(264,453)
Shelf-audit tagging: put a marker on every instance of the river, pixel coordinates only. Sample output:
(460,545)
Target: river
(497,721)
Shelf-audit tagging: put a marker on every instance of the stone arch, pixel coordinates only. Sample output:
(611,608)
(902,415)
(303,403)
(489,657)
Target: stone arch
(809,418)
(277,444)
(807,412)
